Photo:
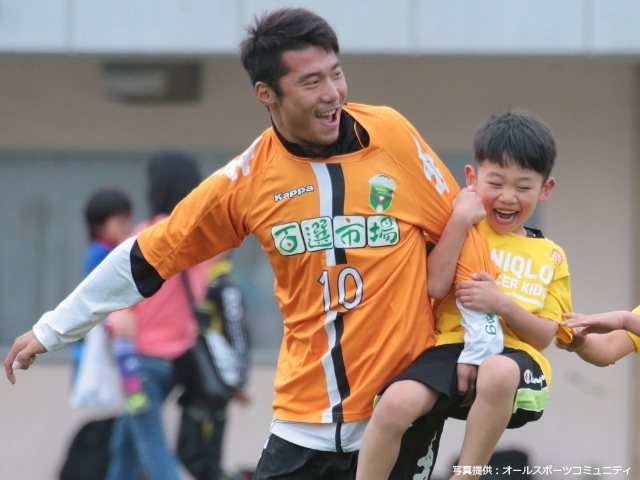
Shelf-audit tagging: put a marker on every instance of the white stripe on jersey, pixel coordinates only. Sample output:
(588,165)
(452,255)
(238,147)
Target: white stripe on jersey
(325,191)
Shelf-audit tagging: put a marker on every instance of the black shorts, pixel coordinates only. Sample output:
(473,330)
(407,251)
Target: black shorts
(436,367)
(284,460)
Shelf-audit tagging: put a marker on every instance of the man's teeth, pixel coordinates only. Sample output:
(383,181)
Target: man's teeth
(327,114)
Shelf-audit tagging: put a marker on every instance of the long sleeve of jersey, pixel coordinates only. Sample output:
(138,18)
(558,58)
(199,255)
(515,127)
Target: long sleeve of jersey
(109,287)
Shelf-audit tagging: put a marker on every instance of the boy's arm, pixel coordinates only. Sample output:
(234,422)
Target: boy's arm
(483,294)
(443,258)
(599,350)
(483,334)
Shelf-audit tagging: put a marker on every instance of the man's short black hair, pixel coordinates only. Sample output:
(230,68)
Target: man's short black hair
(278,32)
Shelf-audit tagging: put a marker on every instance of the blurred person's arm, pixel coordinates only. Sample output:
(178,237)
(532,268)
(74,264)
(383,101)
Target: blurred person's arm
(599,349)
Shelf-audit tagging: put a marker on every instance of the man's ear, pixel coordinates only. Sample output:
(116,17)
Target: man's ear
(265,94)
(547,186)
(470,175)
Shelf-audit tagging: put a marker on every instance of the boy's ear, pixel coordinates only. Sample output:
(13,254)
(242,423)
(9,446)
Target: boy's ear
(547,186)
(264,94)
(470,175)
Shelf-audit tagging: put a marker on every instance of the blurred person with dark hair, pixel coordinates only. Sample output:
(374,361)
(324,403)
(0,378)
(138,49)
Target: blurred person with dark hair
(203,422)
(163,328)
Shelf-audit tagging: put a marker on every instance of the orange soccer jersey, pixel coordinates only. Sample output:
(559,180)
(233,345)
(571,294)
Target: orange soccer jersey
(345,239)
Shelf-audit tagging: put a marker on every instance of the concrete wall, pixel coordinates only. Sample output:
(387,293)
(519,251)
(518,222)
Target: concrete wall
(57,103)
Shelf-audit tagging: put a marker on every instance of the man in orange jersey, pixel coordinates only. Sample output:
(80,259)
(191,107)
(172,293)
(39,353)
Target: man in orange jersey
(340,196)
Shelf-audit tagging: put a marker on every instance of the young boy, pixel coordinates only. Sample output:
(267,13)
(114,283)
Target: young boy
(514,156)
(603,338)
(107,215)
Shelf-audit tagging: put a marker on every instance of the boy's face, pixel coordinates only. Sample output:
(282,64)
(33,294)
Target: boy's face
(116,229)
(509,194)
(313,91)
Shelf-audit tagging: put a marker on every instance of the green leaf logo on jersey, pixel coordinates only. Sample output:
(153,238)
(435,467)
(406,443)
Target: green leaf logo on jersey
(381,189)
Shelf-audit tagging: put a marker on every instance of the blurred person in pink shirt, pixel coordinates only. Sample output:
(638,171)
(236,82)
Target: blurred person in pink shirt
(163,328)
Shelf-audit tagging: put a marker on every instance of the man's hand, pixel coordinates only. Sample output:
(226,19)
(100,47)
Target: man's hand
(22,354)
(467,375)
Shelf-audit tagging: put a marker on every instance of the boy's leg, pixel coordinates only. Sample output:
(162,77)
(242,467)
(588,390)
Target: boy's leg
(496,385)
(401,404)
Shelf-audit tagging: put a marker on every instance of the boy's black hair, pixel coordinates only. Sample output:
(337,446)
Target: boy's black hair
(516,137)
(278,32)
(102,205)
(170,178)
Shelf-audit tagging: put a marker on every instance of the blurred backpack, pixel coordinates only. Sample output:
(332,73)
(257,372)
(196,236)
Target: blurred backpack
(88,455)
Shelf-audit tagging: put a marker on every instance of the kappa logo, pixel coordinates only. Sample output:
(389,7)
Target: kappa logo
(296,192)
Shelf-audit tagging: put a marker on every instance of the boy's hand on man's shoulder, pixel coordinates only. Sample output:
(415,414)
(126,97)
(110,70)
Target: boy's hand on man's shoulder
(467,207)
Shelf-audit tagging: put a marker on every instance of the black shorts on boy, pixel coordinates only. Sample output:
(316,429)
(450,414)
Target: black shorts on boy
(436,367)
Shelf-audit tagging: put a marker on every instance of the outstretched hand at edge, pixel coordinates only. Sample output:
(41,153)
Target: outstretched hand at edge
(22,354)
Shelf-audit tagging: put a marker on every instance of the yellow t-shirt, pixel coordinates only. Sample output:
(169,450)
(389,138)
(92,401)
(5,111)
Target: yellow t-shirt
(534,274)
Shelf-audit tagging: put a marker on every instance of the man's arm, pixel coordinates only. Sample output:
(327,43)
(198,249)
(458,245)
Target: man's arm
(122,279)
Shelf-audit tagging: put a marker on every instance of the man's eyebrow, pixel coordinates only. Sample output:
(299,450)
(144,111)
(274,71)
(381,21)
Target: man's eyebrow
(309,75)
